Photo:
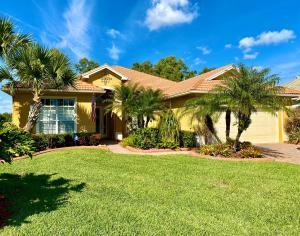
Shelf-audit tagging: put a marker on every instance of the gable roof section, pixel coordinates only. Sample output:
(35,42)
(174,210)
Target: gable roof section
(101,68)
(294,84)
(145,80)
(199,84)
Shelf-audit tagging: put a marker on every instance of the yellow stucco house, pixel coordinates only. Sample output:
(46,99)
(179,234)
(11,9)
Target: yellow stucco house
(69,110)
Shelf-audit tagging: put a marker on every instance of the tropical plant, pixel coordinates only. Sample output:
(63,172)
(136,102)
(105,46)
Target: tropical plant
(247,90)
(149,104)
(169,129)
(37,68)
(5,117)
(123,101)
(205,110)
(10,40)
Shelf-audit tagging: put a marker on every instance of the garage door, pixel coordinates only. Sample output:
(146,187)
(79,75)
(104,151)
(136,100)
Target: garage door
(263,129)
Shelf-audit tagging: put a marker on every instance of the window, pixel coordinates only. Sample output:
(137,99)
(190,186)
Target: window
(57,116)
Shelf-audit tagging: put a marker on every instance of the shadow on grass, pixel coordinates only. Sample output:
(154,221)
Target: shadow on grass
(31,194)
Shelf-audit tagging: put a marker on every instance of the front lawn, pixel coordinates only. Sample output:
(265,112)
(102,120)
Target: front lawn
(93,192)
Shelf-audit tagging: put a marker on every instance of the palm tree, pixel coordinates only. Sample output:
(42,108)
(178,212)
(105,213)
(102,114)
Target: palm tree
(37,68)
(124,101)
(150,102)
(9,39)
(205,109)
(245,91)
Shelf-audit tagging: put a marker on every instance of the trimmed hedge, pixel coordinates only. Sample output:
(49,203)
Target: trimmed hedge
(147,138)
(45,141)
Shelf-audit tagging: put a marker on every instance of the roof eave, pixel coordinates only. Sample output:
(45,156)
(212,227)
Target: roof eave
(87,75)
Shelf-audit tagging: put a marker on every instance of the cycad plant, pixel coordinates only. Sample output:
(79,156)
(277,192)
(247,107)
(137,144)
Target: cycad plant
(247,90)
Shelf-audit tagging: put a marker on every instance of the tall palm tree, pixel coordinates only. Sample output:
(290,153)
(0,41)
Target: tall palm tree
(124,102)
(9,39)
(150,102)
(205,109)
(37,68)
(247,90)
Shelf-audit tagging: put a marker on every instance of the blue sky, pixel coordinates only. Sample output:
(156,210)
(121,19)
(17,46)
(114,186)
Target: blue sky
(204,33)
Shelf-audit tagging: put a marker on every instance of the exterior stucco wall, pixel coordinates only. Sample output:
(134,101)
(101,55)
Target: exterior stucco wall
(265,127)
(20,109)
(105,79)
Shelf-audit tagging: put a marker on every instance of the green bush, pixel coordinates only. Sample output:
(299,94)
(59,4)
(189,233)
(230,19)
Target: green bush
(187,139)
(292,127)
(14,142)
(145,138)
(45,141)
(223,149)
(169,128)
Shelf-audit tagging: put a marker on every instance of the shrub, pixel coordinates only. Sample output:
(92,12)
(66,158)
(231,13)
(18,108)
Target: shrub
(224,150)
(14,142)
(168,144)
(250,152)
(44,141)
(292,127)
(41,142)
(187,139)
(169,128)
(143,138)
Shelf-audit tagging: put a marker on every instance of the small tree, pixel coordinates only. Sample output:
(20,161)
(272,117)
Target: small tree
(37,68)
(245,91)
(85,65)
(206,110)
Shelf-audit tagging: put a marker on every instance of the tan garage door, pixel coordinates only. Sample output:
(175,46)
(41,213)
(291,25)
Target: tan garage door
(263,129)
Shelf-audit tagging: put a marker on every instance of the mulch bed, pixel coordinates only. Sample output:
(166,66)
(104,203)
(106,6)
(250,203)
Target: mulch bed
(4,212)
(156,150)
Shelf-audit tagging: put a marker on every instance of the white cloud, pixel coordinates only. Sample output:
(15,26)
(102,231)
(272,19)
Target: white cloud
(250,55)
(169,12)
(204,50)
(198,61)
(73,32)
(228,45)
(266,38)
(113,33)
(114,52)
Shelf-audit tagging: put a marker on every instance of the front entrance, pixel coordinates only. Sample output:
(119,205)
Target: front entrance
(104,123)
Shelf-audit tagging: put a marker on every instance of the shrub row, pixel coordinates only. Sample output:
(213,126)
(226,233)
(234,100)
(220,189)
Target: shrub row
(226,150)
(147,138)
(45,141)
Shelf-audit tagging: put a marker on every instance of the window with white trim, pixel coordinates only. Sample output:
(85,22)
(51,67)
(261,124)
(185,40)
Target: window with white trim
(57,116)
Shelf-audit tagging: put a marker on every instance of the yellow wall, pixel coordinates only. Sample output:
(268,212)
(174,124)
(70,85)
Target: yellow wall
(105,79)
(21,105)
(84,109)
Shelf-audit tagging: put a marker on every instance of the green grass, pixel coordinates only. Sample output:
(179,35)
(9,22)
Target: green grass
(92,192)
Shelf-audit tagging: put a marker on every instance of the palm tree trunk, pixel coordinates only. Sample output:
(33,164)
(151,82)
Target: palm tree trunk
(228,123)
(209,124)
(33,113)
(124,125)
(147,121)
(236,145)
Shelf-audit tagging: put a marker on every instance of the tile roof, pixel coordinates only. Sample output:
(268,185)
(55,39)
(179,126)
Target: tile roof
(78,86)
(145,80)
(201,83)
(290,91)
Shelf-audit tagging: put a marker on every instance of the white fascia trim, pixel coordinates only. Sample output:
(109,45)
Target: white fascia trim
(221,72)
(87,75)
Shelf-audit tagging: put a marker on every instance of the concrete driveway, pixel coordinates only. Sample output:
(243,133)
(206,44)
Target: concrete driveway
(282,152)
